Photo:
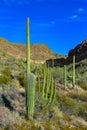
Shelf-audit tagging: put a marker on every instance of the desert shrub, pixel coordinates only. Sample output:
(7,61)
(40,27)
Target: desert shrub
(79,95)
(72,106)
(82,84)
(6,72)
(1,100)
(58,74)
(11,58)
(15,83)
(5,77)
(5,80)
(22,79)
(82,111)
(10,118)
(24,125)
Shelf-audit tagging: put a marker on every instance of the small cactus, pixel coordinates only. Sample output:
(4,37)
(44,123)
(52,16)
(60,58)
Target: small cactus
(44,81)
(73,73)
(48,83)
(39,87)
(52,90)
(65,77)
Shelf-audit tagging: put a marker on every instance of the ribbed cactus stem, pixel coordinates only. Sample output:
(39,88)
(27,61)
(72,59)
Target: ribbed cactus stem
(28,44)
(39,83)
(73,75)
(30,95)
(48,83)
(44,81)
(51,89)
(54,92)
(65,76)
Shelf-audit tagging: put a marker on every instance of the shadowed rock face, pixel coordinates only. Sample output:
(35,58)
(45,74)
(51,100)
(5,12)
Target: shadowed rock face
(80,52)
(55,62)
(80,49)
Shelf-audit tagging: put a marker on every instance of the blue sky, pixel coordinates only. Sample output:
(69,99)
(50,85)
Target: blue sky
(60,24)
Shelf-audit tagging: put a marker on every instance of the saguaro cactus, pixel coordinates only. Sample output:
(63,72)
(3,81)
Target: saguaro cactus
(30,82)
(73,73)
(28,44)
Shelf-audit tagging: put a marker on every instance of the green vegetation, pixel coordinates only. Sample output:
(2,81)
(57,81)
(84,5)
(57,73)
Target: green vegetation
(5,77)
(37,91)
(22,79)
(83,84)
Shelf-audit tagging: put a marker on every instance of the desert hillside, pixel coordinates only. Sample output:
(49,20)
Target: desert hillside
(60,103)
(39,52)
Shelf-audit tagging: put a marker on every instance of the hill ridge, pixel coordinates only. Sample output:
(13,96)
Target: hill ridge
(38,51)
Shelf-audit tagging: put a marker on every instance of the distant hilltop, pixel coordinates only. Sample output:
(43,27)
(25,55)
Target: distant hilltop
(39,52)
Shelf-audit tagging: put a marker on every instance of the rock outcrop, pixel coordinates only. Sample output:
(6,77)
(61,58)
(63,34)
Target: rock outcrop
(80,51)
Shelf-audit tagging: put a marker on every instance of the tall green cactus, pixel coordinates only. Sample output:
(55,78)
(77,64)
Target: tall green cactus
(30,82)
(65,77)
(28,44)
(73,72)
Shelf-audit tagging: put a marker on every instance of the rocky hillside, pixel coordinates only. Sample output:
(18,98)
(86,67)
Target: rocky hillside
(39,52)
(80,51)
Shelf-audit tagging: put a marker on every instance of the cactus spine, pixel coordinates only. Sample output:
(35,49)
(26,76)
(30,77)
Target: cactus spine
(30,82)
(64,76)
(73,75)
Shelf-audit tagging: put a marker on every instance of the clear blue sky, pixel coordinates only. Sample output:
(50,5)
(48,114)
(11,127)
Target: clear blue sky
(60,24)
